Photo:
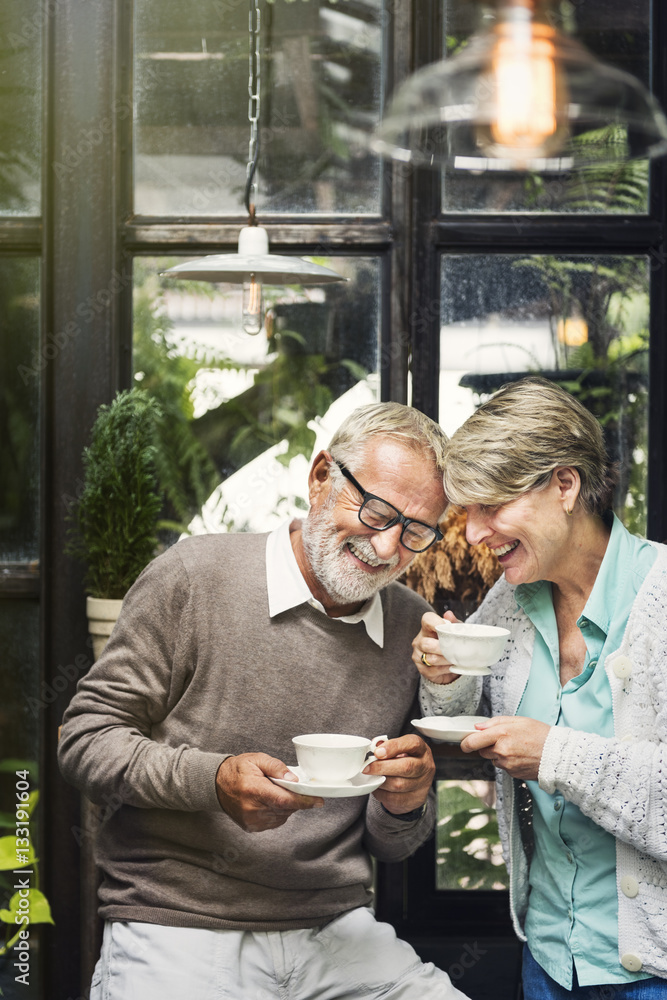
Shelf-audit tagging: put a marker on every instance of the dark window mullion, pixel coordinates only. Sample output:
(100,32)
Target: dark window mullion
(657,467)
(21,235)
(304,237)
(539,234)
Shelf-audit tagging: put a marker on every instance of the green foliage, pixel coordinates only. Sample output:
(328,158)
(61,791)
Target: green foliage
(291,390)
(609,372)
(599,290)
(166,372)
(116,515)
(620,187)
(466,837)
(299,393)
(303,372)
(614,390)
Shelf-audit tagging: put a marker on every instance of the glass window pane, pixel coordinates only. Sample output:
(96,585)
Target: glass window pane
(20,712)
(320,73)
(249,411)
(581,321)
(623,41)
(468,852)
(20,106)
(22,364)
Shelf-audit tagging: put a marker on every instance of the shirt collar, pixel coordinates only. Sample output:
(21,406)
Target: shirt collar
(610,580)
(287,588)
(600,604)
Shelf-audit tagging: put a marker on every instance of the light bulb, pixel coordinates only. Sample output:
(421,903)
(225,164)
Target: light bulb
(573,332)
(528,91)
(253,306)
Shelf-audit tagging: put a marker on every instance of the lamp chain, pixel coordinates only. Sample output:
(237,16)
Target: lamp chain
(254,78)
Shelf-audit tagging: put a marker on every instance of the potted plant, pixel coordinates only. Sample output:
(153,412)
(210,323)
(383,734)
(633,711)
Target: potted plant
(116,516)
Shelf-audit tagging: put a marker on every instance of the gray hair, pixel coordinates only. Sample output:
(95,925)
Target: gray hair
(515,440)
(405,424)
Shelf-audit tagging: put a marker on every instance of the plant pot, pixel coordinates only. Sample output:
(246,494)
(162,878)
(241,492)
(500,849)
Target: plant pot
(102,614)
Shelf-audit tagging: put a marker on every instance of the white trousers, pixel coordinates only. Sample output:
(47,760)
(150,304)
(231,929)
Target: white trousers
(353,956)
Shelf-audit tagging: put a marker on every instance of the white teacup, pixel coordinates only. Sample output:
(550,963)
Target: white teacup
(471,649)
(334,757)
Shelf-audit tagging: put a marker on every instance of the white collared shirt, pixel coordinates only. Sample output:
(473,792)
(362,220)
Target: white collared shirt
(287,588)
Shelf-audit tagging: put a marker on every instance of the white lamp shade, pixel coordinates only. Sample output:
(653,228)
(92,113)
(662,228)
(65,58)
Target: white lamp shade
(254,260)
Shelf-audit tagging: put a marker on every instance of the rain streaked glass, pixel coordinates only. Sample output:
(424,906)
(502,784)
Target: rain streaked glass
(320,88)
(622,41)
(581,321)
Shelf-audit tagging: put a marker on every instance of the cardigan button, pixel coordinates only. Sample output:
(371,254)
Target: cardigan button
(632,963)
(629,886)
(622,667)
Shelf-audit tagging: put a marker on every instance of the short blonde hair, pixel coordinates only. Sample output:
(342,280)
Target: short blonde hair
(407,425)
(515,440)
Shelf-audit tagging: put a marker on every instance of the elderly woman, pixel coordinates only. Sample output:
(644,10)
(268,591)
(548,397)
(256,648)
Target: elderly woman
(578,701)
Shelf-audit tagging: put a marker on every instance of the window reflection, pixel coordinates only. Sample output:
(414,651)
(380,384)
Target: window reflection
(320,94)
(468,850)
(248,412)
(622,41)
(582,321)
(21,106)
(20,376)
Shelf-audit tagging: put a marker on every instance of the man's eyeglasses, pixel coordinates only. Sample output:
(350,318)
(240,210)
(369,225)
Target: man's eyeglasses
(379,514)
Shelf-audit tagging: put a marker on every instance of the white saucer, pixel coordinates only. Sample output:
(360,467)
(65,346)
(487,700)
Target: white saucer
(450,728)
(361,784)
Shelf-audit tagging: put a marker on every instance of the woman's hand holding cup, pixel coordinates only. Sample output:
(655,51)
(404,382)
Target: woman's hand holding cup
(426,654)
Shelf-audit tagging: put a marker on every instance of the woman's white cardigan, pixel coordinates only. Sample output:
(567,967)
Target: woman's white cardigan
(619,782)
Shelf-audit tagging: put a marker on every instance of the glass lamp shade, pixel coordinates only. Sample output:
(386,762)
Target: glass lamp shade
(521,96)
(253,261)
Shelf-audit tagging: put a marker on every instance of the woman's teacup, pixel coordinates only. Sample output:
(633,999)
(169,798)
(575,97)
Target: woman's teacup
(471,649)
(334,757)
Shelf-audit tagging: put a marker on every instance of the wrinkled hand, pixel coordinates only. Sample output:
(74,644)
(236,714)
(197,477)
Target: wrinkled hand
(408,765)
(511,742)
(427,642)
(251,799)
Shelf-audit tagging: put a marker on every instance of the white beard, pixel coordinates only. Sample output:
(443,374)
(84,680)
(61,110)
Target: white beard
(344,582)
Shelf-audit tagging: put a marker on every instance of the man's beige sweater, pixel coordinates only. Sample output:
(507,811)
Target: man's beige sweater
(195,670)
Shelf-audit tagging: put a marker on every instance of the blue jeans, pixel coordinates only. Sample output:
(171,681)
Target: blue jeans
(537,985)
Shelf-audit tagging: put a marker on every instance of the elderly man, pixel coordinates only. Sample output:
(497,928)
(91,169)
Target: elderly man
(218,882)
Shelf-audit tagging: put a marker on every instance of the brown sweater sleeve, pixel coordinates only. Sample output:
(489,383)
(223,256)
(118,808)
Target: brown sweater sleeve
(391,839)
(107,745)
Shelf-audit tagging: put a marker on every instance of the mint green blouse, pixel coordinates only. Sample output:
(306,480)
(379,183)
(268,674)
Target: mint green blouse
(572,911)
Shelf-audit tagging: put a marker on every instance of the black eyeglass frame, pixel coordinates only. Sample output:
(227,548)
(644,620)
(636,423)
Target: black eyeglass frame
(399,519)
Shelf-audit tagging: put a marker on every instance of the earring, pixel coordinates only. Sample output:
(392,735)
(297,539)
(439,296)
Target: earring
(568,512)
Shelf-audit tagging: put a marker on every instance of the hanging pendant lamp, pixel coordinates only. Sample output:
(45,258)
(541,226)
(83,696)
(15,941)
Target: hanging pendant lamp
(253,265)
(521,96)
